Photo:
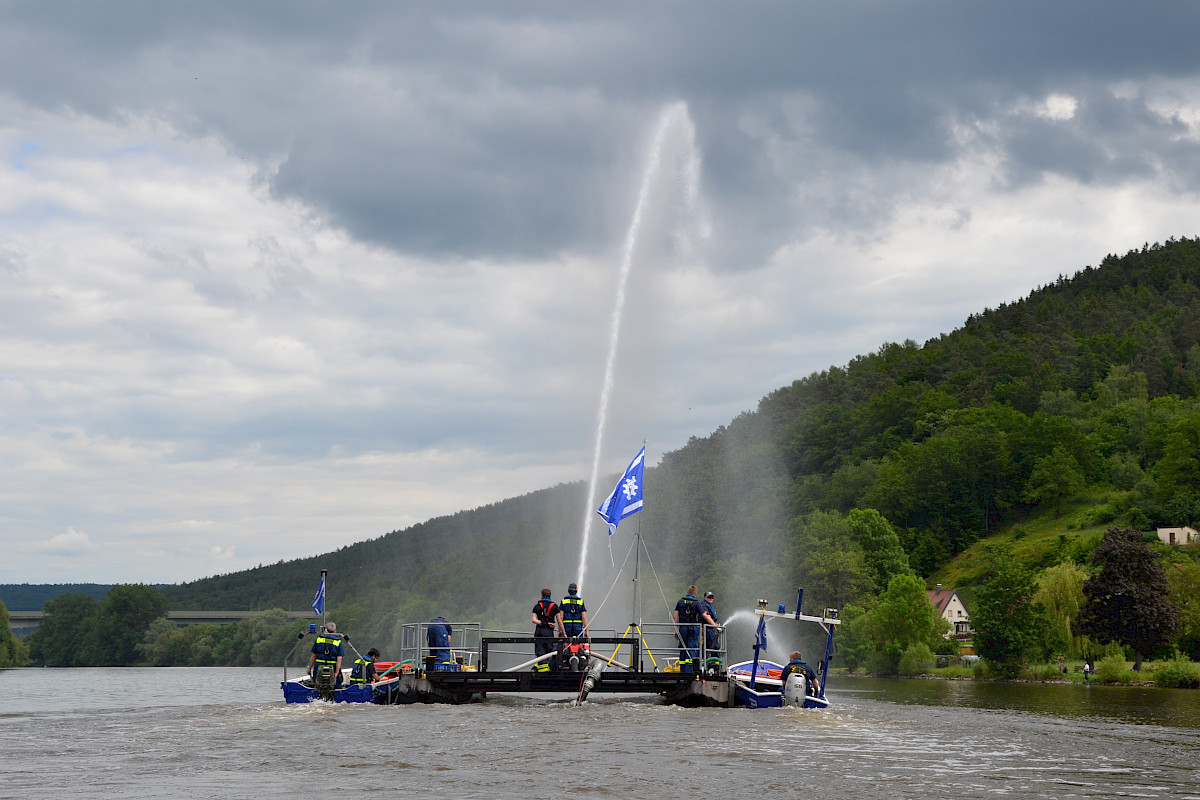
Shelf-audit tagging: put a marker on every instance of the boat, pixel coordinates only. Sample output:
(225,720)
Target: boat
(757,683)
(382,690)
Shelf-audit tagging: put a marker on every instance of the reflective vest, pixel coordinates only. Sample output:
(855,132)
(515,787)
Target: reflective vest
(689,613)
(572,608)
(327,648)
(359,673)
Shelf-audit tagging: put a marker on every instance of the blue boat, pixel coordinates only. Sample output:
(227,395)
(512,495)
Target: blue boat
(758,683)
(303,690)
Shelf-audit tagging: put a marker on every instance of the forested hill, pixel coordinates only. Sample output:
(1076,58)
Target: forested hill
(1087,385)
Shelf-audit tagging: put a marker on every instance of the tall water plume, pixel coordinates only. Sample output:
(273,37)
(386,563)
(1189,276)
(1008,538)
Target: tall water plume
(674,136)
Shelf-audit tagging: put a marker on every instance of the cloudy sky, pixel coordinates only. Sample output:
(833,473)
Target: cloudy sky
(279,277)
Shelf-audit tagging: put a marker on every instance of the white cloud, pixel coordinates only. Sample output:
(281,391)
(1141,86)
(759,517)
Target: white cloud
(1058,107)
(69,543)
(266,294)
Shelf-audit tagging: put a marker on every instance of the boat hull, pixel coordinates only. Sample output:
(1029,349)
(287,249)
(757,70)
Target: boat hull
(301,690)
(768,688)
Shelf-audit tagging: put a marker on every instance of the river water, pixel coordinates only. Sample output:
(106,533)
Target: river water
(226,733)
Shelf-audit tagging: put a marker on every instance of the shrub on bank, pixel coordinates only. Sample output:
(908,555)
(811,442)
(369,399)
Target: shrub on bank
(917,660)
(1114,669)
(1178,673)
(1046,672)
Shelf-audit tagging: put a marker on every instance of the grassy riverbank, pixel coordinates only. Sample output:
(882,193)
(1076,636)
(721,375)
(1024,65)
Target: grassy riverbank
(1177,673)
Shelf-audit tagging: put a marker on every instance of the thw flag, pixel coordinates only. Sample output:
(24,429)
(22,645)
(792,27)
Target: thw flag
(626,497)
(318,603)
(760,635)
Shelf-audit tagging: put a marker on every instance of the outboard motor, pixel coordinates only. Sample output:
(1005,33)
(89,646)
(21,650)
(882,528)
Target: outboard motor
(795,690)
(325,678)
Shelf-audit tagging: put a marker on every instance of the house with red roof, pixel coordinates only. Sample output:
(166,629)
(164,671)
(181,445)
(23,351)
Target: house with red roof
(953,610)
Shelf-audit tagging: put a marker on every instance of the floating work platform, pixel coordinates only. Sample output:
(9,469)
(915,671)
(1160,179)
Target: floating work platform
(597,674)
(463,671)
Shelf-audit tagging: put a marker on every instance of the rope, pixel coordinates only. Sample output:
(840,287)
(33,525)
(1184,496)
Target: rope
(657,582)
(596,613)
(666,603)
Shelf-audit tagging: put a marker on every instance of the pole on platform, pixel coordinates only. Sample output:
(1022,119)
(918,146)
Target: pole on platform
(325,599)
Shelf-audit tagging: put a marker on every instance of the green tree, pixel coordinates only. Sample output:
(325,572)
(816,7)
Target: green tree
(1008,623)
(830,563)
(853,638)
(123,617)
(1183,585)
(904,617)
(1177,473)
(1054,478)
(1060,592)
(13,652)
(1127,599)
(66,635)
(883,555)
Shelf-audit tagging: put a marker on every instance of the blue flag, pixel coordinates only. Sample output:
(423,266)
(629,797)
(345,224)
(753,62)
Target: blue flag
(318,603)
(626,497)
(760,635)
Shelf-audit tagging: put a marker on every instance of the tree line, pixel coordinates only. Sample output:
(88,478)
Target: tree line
(130,627)
(885,470)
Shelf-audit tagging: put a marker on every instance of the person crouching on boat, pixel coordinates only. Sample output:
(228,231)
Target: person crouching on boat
(364,668)
(438,634)
(327,651)
(796,664)
(686,616)
(545,624)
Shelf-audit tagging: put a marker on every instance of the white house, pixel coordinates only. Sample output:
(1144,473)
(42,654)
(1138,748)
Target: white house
(1184,535)
(952,609)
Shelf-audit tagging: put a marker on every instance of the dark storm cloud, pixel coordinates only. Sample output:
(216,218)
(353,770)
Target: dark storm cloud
(468,129)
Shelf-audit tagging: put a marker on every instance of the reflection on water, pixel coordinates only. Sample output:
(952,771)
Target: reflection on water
(1143,705)
(225,733)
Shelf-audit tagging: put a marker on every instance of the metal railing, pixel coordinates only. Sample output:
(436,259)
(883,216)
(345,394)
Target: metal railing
(466,642)
(651,647)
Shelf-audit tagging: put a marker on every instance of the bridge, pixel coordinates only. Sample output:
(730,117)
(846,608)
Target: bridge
(31,619)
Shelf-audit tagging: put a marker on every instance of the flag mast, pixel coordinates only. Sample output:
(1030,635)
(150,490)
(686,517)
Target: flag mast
(635,617)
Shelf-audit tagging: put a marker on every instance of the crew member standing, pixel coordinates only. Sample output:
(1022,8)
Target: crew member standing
(708,613)
(327,651)
(438,634)
(545,621)
(686,616)
(572,614)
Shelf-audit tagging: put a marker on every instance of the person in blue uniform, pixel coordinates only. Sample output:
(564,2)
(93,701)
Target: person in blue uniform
(708,615)
(438,634)
(327,650)
(572,615)
(545,625)
(796,664)
(686,616)
(364,668)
